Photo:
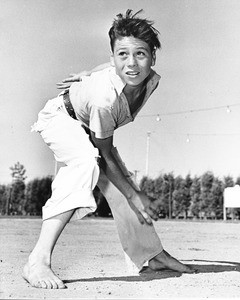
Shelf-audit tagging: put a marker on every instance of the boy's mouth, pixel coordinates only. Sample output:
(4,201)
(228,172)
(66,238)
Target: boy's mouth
(132,73)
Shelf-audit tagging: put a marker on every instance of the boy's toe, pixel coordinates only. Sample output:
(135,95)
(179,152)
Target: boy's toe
(43,284)
(54,284)
(60,285)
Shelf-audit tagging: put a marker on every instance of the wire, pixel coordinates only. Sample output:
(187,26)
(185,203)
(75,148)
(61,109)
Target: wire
(201,134)
(158,118)
(191,111)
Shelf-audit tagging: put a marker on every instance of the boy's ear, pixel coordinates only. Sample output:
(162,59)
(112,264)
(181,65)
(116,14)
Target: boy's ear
(153,58)
(112,60)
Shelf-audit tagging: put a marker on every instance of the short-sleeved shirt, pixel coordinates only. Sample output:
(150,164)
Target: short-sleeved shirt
(99,102)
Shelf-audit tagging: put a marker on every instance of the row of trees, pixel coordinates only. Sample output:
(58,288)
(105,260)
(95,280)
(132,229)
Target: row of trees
(187,197)
(178,197)
(19,198)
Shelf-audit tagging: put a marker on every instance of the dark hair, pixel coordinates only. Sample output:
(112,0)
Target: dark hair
(130,25)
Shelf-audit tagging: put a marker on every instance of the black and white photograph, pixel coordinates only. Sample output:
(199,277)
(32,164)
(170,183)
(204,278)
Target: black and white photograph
(120,143)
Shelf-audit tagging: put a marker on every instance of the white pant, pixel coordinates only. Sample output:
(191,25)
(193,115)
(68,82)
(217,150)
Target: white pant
(72,187)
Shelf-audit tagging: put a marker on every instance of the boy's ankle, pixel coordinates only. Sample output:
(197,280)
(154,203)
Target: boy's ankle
(42,258)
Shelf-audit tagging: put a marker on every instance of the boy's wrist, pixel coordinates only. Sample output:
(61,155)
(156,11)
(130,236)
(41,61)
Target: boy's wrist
(131,195)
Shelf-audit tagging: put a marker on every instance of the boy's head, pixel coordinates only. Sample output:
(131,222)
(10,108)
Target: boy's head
(131,25)
(134,42)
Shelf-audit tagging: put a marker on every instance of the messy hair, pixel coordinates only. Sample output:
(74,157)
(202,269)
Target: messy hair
(131,25)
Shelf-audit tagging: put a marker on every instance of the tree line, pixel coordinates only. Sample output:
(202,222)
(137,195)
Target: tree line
(199,197)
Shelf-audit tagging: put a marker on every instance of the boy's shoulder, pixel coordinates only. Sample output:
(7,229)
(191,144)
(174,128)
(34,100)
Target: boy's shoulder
(104,73)
(100,88)
(101,79)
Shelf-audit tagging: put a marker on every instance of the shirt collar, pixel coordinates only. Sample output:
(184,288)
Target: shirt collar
(116,80)
(119,84)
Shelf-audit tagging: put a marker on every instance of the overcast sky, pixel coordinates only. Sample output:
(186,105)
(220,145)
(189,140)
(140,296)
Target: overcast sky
(42,41)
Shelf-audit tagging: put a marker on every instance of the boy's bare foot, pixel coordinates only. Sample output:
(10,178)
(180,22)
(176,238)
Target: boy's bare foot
(41,276)
(165,261)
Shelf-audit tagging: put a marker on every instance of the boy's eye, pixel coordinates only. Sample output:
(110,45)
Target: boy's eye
(122,53)
(141,53)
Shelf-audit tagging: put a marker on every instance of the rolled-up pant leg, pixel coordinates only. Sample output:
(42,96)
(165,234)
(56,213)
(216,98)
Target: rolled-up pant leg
(140,242)
(72,188)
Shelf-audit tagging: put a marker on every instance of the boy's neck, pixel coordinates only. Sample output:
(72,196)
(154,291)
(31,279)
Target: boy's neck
(134,91)
(135,96)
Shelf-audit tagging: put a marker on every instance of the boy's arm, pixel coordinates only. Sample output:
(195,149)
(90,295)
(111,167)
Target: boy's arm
(138,201)
(77,77)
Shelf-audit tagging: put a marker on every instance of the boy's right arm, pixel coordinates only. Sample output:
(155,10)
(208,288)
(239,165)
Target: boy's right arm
(65,84)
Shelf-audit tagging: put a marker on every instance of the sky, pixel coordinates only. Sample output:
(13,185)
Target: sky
(42,42)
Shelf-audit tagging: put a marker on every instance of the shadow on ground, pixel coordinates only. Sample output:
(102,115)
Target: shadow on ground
(148,275)
(214,266)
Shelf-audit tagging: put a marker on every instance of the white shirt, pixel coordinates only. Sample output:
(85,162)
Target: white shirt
(99,102)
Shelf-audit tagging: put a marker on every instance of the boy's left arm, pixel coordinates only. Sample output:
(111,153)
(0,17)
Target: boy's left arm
(139,202)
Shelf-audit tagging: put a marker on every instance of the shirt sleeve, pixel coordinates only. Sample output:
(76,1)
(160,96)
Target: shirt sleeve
(101,122)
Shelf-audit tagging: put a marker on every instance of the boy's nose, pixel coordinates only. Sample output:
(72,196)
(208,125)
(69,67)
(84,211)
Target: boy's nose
(131,60)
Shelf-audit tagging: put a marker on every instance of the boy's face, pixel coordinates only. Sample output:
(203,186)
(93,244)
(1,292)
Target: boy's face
(132,59)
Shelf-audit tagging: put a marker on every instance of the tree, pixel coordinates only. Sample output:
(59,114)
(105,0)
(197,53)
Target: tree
(18,172)
(216,206)
(195,194)
(147,186)
(238,181)
(181,195)
(15,198)
(228,181)
(158,186)
(38,191)
(168,188)
(154,190)
(160,190)
(207,180)
(178,196)
(3,198)
(187,196)
(159,195)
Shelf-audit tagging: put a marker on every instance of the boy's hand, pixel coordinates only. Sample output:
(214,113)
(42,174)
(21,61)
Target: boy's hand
(141,214)
(145,209)
(66,83)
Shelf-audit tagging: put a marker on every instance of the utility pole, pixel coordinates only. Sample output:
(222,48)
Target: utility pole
(147,153)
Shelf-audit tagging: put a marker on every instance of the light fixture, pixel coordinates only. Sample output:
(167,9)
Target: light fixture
(228,109)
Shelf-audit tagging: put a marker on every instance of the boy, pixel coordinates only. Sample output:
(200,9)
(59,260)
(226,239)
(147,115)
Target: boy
(78,126)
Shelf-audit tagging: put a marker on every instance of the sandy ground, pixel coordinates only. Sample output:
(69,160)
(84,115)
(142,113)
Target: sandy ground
(89,258)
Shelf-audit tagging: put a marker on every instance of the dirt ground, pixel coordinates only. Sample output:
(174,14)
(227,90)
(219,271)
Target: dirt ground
(89,258)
